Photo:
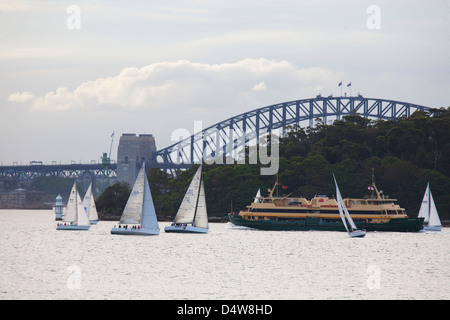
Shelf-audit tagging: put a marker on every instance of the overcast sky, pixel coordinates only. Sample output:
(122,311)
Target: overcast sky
(72,72)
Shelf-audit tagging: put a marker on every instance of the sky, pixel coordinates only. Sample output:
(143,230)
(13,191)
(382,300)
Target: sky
(73,72)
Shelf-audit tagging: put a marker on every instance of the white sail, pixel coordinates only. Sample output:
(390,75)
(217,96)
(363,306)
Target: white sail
(340,205)
(70,214)
(201,216)
(148,220)
(429,212)
(433,220)
(349,218)
(187,209)
(258,196)
(343,210)
(89,204)
(82,218)
(132,213)
(424,211)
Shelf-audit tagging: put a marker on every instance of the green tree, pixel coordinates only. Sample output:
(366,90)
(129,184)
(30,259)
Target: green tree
(112,201)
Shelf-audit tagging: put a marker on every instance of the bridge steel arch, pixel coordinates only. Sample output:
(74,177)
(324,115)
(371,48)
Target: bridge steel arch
(226,137)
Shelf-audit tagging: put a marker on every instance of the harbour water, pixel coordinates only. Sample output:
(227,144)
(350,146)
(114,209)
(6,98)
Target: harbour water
(38,262)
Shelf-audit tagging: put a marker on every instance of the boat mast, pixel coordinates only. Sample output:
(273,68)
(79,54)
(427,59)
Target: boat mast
(198,194)
(273,189)
(374,186)
(76,202)
(429,203)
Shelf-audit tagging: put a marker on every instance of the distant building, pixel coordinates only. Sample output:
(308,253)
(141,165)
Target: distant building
(21,199)
(132,151)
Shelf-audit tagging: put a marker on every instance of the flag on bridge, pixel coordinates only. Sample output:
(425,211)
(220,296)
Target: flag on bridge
(340,84)
(349,84)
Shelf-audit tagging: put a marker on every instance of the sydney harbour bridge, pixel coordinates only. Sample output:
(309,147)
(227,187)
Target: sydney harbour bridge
(226,138)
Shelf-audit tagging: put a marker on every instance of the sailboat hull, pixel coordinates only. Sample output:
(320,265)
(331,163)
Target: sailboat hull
(185,229)
(72,227)
(432,228)
(135,232)
(357,233)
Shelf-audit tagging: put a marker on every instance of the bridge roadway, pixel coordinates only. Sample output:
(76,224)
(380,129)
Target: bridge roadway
(78,171)
(226,137)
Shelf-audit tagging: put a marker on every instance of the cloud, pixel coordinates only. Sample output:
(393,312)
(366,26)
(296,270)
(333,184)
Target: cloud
(16,5)
(21,97)
(260,86)
(186,84)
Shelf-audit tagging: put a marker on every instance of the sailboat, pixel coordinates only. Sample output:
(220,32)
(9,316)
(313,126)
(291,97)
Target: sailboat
(192,216)
(74,217)
(354,232)
(429,212)
(139,216)
(89,206)
(257,196)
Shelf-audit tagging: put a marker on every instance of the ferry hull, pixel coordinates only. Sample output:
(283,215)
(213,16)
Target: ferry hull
(135,232)
(396,225)
(185,229)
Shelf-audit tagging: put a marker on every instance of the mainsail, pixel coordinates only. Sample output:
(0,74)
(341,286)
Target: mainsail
(193,207)
(354,232)
(341,206)
(424,211)
(133,209)
(148,218)
(201,217)
(258,196)
(89,204)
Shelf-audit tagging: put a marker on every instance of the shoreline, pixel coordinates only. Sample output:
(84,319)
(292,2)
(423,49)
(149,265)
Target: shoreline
(223,219)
